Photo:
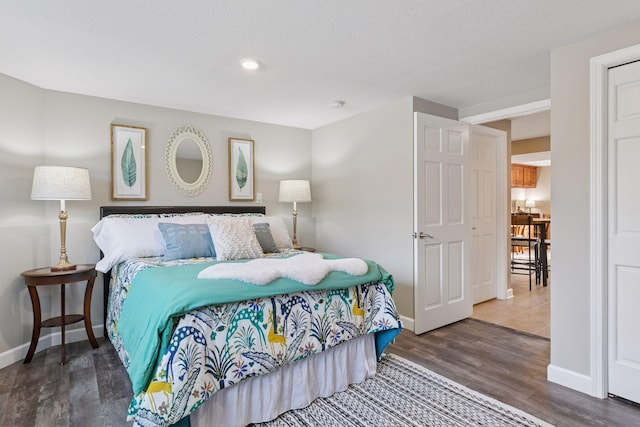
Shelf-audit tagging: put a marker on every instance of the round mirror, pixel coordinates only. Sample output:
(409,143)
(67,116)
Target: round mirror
(188,160)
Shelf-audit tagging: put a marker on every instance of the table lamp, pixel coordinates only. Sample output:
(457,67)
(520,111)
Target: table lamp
(295,191)
(61,183)
(530,204)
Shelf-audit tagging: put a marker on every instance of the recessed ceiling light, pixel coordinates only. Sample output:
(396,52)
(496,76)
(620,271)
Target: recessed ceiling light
(250,64)
(338,104)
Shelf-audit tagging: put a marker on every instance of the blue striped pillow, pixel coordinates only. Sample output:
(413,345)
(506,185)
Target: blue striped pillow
(186,241)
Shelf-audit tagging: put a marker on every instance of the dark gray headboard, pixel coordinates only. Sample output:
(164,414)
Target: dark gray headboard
(114,210)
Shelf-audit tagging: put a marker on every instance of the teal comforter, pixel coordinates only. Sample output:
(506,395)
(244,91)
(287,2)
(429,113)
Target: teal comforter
(159,295)
(183,339)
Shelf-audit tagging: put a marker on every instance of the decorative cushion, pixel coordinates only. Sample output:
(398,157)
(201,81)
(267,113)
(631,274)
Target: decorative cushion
(234,238)
(186,241)
(263,234)
(278,229)
(124,237)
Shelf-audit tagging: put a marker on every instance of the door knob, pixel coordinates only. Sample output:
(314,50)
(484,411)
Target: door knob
(423,235)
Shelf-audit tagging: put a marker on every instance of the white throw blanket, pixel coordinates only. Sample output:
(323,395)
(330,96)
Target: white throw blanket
(306,268)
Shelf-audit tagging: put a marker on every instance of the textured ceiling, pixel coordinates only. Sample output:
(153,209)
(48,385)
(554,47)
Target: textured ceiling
(185,54)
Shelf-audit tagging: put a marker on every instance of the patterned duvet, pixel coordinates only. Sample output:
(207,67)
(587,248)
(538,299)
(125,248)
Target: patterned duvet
(214,347)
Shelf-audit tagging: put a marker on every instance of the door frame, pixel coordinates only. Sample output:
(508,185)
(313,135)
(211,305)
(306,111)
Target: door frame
(598,210)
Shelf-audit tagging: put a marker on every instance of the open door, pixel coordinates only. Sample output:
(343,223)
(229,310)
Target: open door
(442,222)
(489,213)
(460,219)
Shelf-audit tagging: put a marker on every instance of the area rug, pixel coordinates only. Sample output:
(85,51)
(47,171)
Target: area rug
(405,394)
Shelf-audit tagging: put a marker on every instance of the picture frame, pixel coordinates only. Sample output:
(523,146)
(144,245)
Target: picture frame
(128,163)
(241,170)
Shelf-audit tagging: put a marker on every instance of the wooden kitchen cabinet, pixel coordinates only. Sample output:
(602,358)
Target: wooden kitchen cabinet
(523,176)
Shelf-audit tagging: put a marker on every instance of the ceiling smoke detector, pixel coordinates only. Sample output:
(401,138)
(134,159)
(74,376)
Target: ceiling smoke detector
(338,104)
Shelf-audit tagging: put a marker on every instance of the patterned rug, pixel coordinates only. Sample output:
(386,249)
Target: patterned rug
(405,394)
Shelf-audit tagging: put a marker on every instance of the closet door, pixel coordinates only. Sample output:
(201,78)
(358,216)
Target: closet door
(624,230)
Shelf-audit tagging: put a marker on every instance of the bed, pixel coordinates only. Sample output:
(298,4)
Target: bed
(242,334)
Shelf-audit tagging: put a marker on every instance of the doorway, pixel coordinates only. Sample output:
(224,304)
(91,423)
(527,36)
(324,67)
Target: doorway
(433,245)
(447,227)
(529,308)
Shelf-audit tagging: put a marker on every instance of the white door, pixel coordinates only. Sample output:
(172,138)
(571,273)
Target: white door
(442,222)
(624,231)
(484,166)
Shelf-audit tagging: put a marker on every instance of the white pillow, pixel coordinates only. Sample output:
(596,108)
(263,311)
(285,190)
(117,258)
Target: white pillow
(122,237)
(234,238)
(278,229)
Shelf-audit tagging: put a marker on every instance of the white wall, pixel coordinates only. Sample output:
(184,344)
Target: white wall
(542,193)
(25,240)
(363,189)
(570,293)
(49,127)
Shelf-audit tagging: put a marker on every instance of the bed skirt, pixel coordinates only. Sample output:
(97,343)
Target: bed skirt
(294,386)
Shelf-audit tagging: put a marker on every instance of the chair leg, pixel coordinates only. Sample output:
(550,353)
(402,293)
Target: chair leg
(529,265)
(538,265)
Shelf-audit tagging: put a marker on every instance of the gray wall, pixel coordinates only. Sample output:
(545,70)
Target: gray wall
(24,237)
(570,122)
(363,191)
(47,127)
(363,188)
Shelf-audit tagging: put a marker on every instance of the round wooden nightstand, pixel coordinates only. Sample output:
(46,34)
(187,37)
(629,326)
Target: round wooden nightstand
(46,277)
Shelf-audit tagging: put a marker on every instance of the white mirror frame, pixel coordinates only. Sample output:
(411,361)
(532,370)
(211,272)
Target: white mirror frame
(198,186)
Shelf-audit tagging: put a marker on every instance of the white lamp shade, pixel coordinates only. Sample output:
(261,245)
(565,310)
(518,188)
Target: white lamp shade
(60,183)
(295,191)
(530,204)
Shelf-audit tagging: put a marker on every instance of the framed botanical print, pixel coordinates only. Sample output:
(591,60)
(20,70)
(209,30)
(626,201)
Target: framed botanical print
(128,163)
(241,170)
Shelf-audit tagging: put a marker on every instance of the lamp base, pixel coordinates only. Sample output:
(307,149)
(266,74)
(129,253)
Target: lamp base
(294,240)
(63,266)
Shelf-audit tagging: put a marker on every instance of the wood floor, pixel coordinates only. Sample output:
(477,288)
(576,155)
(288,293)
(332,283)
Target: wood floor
(43,393)
(510,366)
(528,311)
(493,360)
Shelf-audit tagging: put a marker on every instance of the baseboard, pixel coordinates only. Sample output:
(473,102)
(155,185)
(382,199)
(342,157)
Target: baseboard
(570,379)
(509,293)
(49,340)
(407,323)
